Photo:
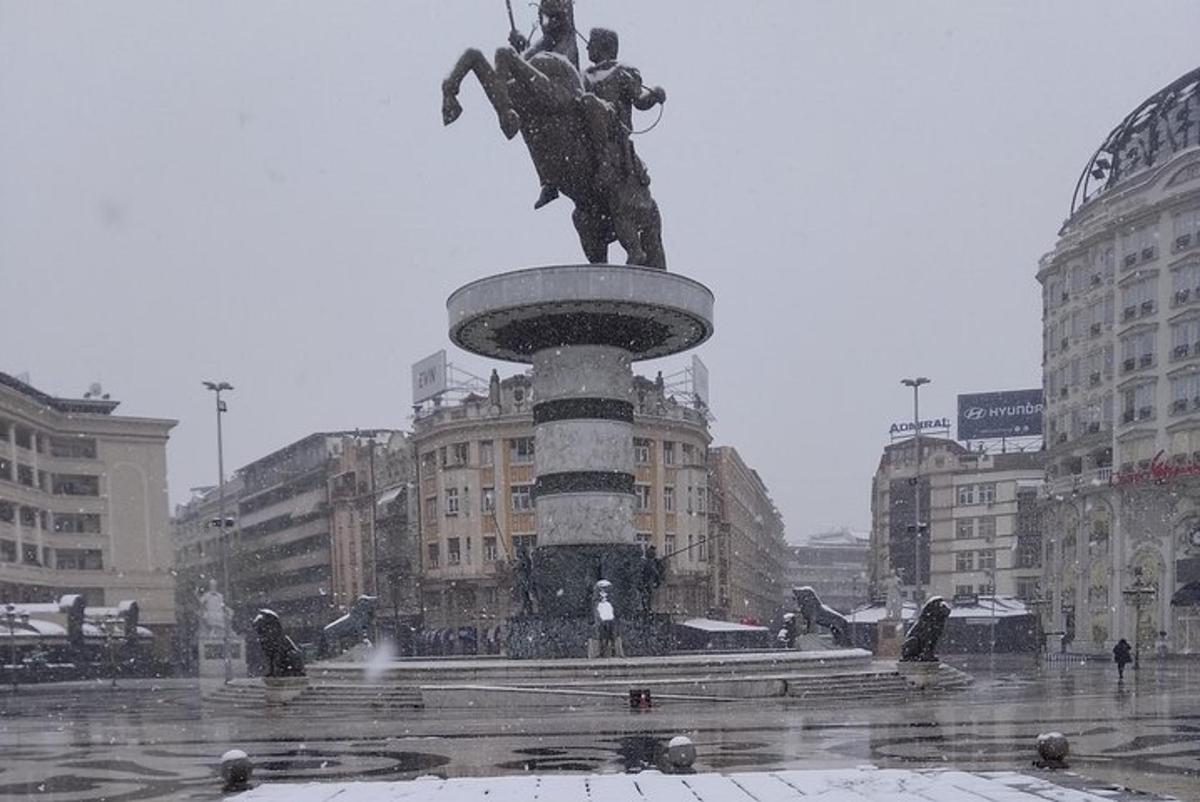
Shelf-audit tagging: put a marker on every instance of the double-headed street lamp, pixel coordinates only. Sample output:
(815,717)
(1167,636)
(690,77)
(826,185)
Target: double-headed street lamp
(915,384)
(222,522)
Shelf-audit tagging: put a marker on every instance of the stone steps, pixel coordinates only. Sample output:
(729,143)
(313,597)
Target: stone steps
(250,693)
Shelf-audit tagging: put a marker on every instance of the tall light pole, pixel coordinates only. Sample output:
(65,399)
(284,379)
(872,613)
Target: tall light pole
(915,384)
(1137,594)
(222,521)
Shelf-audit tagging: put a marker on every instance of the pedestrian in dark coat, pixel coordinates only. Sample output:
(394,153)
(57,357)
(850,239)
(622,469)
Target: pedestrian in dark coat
(1121,657)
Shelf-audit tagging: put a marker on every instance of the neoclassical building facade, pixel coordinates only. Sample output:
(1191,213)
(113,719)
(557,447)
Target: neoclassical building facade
(1120,509)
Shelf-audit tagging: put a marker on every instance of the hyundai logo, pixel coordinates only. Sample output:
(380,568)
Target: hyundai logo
(975,413)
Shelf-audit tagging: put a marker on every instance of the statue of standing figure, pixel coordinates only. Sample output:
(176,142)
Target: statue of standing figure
(577,129)
(214,615)
(523,588)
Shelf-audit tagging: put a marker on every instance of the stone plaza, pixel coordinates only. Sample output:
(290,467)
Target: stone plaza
(160,741)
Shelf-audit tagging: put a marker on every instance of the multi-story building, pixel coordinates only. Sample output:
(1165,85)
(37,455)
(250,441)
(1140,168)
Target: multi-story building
(979,525)
(83,504)
(1121,357)
(983,530)
(834,564)
(475,477)
(750,555)
(282,544)
(372,549)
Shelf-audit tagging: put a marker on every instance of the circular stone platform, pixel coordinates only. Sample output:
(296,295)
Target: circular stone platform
(648,312)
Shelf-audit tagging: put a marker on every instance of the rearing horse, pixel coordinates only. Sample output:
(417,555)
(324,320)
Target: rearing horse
(537,94)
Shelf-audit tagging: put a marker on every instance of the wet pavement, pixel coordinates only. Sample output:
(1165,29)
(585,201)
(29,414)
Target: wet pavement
(158,741)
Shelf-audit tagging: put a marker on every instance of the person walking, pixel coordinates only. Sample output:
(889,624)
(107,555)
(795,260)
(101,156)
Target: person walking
(1121,657)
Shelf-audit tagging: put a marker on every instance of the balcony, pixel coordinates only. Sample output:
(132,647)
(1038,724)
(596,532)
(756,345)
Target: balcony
(1088,480)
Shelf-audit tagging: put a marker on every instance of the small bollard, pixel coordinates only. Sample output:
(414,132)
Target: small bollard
(639,699)
(681,753)
(236,769)
(1052,750)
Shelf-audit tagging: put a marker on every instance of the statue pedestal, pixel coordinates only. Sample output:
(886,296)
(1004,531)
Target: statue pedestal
(582,327)
(281,690)
(920,675)
(891,633)
(212,657)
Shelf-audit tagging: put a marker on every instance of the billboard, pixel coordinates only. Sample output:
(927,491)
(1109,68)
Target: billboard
(1005,413)
(700,381)
(429,377)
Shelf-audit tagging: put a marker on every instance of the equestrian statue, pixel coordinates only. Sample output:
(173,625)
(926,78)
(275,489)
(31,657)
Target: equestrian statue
(577,126)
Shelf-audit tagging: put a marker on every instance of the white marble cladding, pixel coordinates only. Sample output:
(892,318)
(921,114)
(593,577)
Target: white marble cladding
(576,283)
(585,518)
(583,445)
(582,371)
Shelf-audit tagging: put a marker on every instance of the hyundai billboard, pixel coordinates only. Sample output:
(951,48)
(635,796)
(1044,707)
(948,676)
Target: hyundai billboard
(1007,413)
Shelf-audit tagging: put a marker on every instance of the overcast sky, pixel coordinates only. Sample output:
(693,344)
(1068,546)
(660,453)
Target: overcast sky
(264,193)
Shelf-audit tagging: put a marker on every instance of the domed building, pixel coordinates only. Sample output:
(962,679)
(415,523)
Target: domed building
(1121,371)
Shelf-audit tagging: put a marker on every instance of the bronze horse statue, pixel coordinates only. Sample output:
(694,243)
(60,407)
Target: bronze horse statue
(539,93)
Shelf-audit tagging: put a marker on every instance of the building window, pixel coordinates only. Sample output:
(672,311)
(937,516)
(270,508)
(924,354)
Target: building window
(460,454)
(430,508)
(985,590)
(428,462)
(25,475)
(486,453)
(668,544)
(452,501)
(987,559)
(73,447)
(1027,589)
(79,560)
(987,493)
(431,555)
(701,500)
(487,499)
(526,542)
(76,485)
(7,512)
(29,516)
(1185,282)
(1185,392)
(966,494)
(453,555)
(489,550)
(6,472)
(987,527)
(1139,299)
(641,498)
(964,528)
(76,523)
(1137,403)
(8,551)
(520,450)
(689,454)
(669,499)
(668,449)
(522,498)
(644,539)
(964,561)
(641,451)
(962,590)
(24,438)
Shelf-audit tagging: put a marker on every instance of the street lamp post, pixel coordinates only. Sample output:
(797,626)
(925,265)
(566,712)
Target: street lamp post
(222,521)
(11,618)
(915,384)
(1137,594)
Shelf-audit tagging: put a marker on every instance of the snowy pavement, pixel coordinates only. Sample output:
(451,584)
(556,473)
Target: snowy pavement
(842,785)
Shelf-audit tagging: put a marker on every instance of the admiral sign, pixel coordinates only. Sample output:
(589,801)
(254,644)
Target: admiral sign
(1008,413)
